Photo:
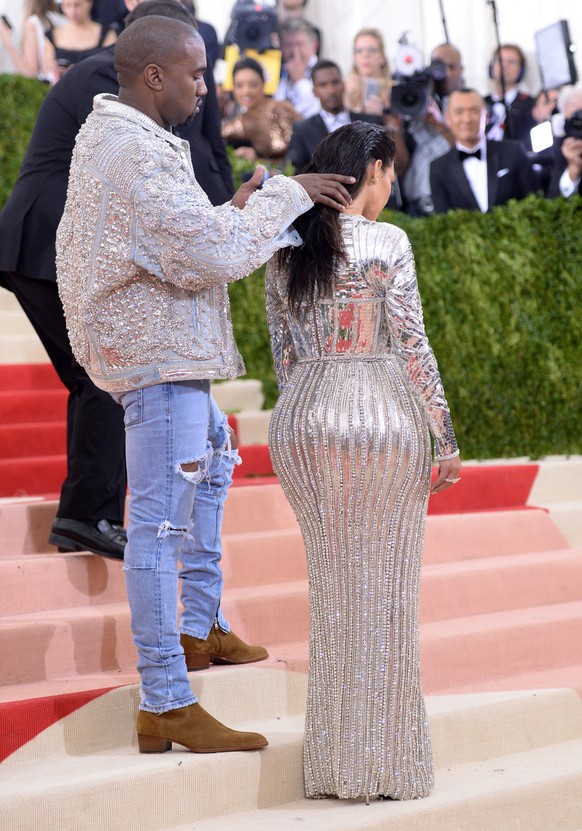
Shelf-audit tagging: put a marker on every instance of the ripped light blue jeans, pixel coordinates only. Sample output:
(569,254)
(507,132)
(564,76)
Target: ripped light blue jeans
(174,530)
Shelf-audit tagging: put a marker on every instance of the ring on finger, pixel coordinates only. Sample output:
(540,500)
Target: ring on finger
(453,481)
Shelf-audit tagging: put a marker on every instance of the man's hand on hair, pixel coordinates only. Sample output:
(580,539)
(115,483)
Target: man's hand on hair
(327,188)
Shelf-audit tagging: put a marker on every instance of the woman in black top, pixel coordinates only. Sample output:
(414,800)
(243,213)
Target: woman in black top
(77,39)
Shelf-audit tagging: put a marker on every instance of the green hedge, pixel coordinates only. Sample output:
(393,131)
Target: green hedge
(502,297)
(20,99)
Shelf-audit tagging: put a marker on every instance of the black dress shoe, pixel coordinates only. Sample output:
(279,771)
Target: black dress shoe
(102,538)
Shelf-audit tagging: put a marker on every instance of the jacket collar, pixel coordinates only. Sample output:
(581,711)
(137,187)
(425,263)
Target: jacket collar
(109,105)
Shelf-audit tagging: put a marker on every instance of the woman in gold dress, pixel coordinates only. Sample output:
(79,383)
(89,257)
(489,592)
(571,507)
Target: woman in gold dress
(349,438)
(262,130)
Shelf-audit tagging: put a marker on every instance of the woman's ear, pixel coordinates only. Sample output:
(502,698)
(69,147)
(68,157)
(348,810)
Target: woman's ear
(374,170)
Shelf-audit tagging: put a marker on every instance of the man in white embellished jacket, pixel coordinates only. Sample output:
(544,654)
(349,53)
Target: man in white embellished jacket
(143,262)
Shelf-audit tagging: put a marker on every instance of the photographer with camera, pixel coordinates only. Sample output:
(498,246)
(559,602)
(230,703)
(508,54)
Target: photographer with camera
(568,150)
(418,99)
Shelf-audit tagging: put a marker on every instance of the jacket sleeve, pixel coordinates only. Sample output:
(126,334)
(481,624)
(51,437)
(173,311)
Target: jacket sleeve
(438,189)
(297,152)
(282,346)
(181,238)
(409,341)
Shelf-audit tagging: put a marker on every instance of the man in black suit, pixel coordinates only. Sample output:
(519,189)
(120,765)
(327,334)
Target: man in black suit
(477,174)
(91,507)
(328,87)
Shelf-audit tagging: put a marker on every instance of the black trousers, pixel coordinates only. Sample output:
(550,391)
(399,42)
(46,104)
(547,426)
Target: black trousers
(96,481)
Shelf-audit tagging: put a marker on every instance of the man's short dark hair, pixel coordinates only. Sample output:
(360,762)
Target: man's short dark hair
(324,64)
(153,39)
(164,8)
(249,63)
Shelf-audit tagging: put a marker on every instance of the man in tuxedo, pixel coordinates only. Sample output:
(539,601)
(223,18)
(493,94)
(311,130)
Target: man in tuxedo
(328,87)
(567,172)
(477,174)
(92,500)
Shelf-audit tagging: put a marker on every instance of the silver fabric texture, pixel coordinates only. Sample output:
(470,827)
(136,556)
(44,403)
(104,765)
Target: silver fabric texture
(350,444)
(143,258)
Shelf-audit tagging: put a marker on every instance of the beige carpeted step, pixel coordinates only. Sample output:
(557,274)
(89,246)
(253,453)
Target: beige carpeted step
(22,349)
(465,650)
(536,791)
(59,581)
(558,480)
(239,396)
(85,772)
(567,517)
(253,427)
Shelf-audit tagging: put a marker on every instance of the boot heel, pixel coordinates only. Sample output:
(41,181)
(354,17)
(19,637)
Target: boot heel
(153,744)
(194,662)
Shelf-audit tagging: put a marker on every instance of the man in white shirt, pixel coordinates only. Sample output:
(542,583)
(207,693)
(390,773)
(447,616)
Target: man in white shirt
(328,87)
(477,174)
(299,44)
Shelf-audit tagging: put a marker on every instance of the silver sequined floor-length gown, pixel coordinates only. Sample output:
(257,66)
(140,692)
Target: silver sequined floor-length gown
(350,444)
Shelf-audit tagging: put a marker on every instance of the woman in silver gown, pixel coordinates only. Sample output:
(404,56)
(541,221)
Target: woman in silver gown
(349,438)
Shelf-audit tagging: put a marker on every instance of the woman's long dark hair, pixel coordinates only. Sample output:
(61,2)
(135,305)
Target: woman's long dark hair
(348,151)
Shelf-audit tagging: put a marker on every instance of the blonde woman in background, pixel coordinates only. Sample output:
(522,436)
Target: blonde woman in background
(40,16)
(369,84)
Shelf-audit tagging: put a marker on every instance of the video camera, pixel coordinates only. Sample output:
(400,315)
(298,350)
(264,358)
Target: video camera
(411,94)
(253,23)
(573,125)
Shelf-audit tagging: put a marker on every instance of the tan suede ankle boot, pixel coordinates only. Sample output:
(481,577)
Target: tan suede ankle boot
(193,728)
(220,648)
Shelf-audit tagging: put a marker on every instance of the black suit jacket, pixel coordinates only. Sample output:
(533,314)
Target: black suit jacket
(519,120)
(559,166)
(509,176)
(308,133)
(29,220)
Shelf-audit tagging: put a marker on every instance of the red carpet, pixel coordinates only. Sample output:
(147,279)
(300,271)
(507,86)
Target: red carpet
(21,721)
(32,447)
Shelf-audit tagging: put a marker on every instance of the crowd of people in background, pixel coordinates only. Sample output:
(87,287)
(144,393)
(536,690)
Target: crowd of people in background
(447,157)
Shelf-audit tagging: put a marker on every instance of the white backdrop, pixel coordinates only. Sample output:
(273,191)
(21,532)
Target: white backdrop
(469,23)
(470,26)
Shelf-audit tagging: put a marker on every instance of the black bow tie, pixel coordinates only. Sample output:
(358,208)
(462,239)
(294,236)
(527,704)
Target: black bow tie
(476,154)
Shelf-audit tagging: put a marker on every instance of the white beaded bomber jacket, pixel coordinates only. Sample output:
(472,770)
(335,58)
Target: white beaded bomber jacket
(144,259)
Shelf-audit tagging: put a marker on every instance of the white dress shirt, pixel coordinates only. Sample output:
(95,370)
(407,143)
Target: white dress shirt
(567,186)
(334,120)
(496,126)
(476,172)
(299,93)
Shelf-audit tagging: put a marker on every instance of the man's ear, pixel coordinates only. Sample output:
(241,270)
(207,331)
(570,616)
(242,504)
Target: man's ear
(154,76)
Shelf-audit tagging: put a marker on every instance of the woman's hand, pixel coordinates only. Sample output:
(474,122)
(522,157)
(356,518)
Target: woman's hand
(449,474)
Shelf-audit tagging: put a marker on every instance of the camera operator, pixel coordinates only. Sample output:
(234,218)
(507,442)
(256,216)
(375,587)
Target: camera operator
(568,150)
(420,101)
